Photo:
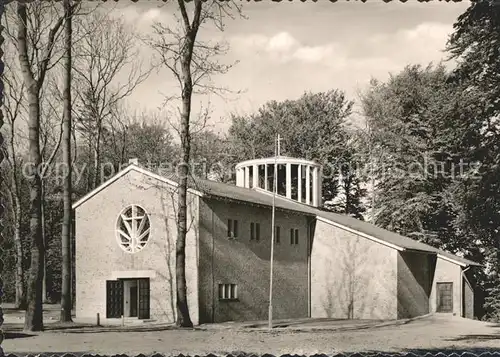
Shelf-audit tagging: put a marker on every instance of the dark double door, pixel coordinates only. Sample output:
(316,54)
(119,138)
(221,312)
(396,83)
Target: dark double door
(138,300)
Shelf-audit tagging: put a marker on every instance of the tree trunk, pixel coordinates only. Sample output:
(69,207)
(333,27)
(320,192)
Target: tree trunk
(66,304)
(44,284)
(20,293)
(183,318)
(34,314)
(20,300)
(347,192)
(34,318)
(97,157)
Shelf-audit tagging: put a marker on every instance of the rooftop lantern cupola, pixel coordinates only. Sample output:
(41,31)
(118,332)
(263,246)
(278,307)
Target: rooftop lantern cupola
(298,179)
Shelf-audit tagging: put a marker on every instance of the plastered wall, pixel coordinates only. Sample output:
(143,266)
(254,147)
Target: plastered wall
(246,263)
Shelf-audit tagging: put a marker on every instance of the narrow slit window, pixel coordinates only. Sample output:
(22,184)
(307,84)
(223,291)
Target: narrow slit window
(255,231)
(222,292)
(277,234)
(232,228)
(235,228)
(294,236)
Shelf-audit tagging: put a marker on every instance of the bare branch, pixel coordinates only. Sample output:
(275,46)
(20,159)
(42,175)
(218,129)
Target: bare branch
(48,52)
(184,14)
(55,149)
(168,42)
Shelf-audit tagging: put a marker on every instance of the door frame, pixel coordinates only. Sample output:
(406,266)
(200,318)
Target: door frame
(438,296)
(115,289)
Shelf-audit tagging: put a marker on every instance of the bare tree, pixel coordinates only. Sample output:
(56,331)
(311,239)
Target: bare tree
(192,64)
(51,137)
(100,61)
(118,134)
(34,71)
(40,17)
(67,217)
(13,105)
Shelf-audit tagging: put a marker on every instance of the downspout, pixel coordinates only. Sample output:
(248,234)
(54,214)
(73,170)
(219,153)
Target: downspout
(462,277)
(213,268)
(309,251)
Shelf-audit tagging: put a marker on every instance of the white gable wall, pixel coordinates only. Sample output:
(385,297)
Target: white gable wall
(99,257)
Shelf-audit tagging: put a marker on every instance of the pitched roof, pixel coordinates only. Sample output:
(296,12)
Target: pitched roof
(246,195)
(262,197)
(123,173)
(391,237)
(218,190)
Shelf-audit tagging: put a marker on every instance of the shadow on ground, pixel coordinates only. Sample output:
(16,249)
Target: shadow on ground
(477,338)
(480,337)
(17,331)
(8,335)
(94,329)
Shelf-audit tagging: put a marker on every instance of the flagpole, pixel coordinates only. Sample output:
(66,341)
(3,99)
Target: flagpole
(273,230)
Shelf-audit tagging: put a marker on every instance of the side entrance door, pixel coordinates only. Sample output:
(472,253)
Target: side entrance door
(114,298)
(444,294)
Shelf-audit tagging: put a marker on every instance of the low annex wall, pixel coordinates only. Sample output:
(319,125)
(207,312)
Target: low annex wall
(447,272)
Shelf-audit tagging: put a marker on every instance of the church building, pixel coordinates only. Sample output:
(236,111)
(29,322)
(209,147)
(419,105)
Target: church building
(325,265)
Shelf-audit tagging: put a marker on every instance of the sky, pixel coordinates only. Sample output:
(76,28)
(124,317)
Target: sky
(284,49)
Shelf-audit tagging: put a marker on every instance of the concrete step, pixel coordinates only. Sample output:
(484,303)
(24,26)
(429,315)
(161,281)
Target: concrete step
(135,320)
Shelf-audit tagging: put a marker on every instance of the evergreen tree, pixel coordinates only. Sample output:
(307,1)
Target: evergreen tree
(413,119)
(475,45)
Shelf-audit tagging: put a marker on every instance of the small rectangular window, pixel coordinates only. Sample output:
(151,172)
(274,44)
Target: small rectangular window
(228,291)
(296,236)
(277,234)
(292,239)
(252,231)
